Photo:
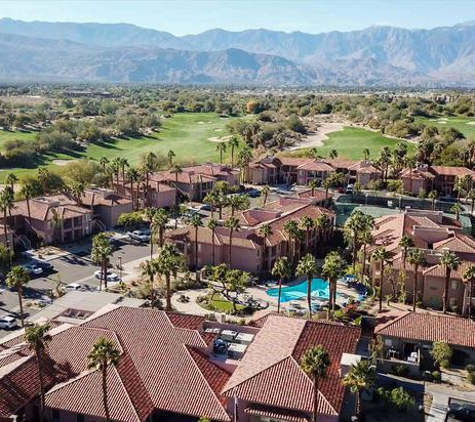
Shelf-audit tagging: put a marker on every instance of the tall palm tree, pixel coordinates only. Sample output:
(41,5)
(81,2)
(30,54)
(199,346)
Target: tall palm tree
(405,243)
(149,270)
(104,353)
(44,176)
(291,227)
(104,162)
(313,153)
(367,240)
(471,196)
(433,195)
(17,278)
(6,256)
(282,270)
(37,339)
(416,258)
(307,266)
(456,209)
(266,231)
(157,227)
(123,164)
(133,176)
(6,204)
(196,222)
(365,154)
(383,256)
(170,155)
(353,228)
(115,167)
(333,268)
(265,195)
(212,224)
(233,225)
(176,170)
(221,147)
(77,190)
(360,377)
(322,223)
(233,143)
(10,181)
(450,262)
(313,184)
(315,362)
(468,278)
(308,224)
(27,191)
(211,199)
(101,252)
(167,263)
(333,154)
(238,203)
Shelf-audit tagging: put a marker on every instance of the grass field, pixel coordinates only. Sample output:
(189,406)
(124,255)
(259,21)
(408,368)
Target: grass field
(466,125)
(187,134)
(350,143)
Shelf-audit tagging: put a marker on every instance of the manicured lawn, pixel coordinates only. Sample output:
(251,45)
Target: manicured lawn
(350,143)
(187,134)
(219,304)
(466,125)
(12,136)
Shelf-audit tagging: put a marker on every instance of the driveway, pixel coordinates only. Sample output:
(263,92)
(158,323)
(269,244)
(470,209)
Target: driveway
(441,395)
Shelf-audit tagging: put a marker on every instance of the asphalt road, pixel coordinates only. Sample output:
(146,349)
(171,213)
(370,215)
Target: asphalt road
(73,268)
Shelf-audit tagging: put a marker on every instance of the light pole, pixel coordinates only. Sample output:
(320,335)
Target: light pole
(120,268)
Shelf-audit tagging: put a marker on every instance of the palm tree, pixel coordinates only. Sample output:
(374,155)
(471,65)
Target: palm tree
(103,354)
(353,227)
(291,227)
(44,177)
(101,252)
(405,243)
(471,196)
(170,155)
(450,262)
(37,339)
(360,377)
(281,270)
(266,231)
(265,195)
(315,362)
(416,258)
(17,278)
(123,164)
(333,268)
(104,161)
(322,223)
(366,239)
(211,199)
(308,267)
(313,184)
(308,223)
(157,228)
(456,209)
(233,143)
(433,195)
(6,256)
(27,191)
(10,181)
(133,176)
(115,167)
(313,153)
(176,170)
(365,154)
(195,221)
(221,147)
(469,277)
(77,190)
(383,256)
(333,154)
(6,204)
(233,225)
(168,262)
(238,203)
(212,224)
(149,270)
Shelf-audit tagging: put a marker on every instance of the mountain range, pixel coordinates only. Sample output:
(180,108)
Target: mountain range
(376,56)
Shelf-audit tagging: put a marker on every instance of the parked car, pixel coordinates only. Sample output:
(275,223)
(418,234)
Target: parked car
(253,193)
(44,265)
(43,301)
(33,269)
(73,287)
(109,275)
(461,412)
(8,322)
(140,235)
(349,189)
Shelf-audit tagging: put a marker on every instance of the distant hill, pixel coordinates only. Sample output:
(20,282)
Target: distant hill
(376,56)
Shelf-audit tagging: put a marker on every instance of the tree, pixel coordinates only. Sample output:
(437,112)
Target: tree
(307,266)
(265,195)
(281,270)
(322,223)
(77,189)
(236,282)
(212,224)
(238,203)
(170,155)
(6,204)
(157,227)
(405,243)
(383,256)
(450,262)
(44,177)
(211,199)
(104,353)
(221,147)
(101,252)
(17,278)
(471,196)
(133,176)
(365,154)
(37,339)
(266,231)
(104,162)
(167,264)
(149,270)
(6,257)
(468,278)
(360,377)
(456,209)
(294,234)
(366,239)
(196,222)
(433,195)
(441,353)
(233,143)
(313,153)
(233,225)
(354,226)
(308,223)
(10,181)
(315,362)
(333,154)
(416,258)
(176,170)
(27,191)
(333,268)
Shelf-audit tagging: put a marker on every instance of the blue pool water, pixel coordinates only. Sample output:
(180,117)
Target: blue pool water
(319,289)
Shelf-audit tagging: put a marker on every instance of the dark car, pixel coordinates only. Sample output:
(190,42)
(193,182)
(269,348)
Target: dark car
(253,193)
(46,266)
(461,412)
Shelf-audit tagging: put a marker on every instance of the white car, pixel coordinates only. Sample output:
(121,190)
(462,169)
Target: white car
(140,235)
(8,322)
(33,269)
(110,275)
(43,301)
(73,287)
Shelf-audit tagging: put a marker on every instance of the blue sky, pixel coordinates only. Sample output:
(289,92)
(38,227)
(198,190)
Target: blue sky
(193,16)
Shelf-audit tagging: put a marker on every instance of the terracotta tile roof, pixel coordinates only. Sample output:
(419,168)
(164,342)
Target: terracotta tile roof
(438,270)
(430,327)
(340,163)
(318,195)
(270,372)
(197,174)
(461,243)
(417,174)
(315,165)
(294,161)
(190,322)
(109,199)
(452,171)
(279,414)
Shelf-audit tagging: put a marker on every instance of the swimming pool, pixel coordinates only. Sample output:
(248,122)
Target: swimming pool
(319,289)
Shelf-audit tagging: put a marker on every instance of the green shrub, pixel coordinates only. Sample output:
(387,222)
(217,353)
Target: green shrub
(470,368)
(401,399)
(471,377)
(400,370)
(436,376)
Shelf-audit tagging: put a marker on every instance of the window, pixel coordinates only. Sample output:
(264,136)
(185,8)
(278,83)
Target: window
(454,284)
(79,418)
(55,414)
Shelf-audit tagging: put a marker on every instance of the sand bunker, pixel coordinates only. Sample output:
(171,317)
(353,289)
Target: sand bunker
(218,139)
(62,162)
(201,123)
(315,139)
(470,123)
(218,130)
